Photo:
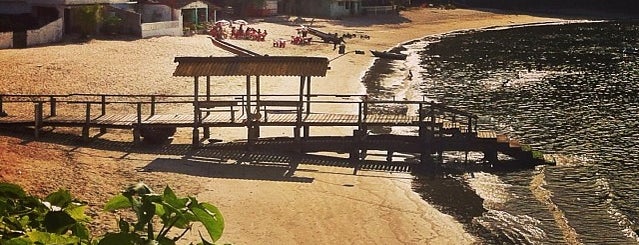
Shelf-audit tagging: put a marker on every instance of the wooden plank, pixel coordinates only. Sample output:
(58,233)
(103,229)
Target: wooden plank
(65,119)
(16,119)
(514,144)
(120,120)
(280,103)
(486,134)
(223,118)
(502,138)
(213,104)
(282,118)
(168,120)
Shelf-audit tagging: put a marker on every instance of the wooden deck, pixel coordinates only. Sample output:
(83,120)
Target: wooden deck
(439,128)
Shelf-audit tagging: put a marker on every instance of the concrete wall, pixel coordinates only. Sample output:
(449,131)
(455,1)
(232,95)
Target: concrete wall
(47,34)
(6,40)
(166,28)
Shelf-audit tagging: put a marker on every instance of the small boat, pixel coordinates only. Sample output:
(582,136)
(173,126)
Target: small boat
(388,55)
(239,51)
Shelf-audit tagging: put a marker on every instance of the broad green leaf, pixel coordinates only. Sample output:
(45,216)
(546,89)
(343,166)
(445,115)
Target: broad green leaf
(40,237)
(159,209)
(120,239)
(81,231)
(60,198)
(170,198)
(58,222)
(8,190)
(214,210)
(77,212)
(117,202)
(18,241)
(214,224)
(171,213)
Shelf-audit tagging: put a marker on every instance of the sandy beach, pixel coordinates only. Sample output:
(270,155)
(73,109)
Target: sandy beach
(319,205)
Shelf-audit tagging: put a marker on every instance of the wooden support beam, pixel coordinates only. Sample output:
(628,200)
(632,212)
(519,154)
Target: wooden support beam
(207,130)
(308,95)
(52,109)
(37,119)
(103,103)
(136,130)
(153,98)
(196,113)
(87,123)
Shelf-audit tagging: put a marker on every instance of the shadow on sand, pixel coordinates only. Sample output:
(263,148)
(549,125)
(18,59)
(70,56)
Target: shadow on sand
(206,168)
(222,160)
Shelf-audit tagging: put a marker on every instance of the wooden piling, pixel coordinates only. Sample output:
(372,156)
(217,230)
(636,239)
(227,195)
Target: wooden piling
(87,121)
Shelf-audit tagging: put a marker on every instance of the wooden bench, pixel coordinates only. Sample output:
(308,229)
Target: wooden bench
(274,107)
(218,106)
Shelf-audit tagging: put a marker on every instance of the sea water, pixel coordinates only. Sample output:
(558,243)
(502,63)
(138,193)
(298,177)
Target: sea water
(566,89)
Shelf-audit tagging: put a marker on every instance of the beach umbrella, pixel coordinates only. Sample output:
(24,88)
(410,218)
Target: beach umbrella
(222,22)
(240,22)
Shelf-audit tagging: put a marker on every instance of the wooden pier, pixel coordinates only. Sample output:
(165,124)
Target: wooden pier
(438,128)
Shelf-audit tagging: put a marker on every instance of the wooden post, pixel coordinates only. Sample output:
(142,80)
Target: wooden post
(52,110)
(37,119)
(103,105)
(249,112)
(136,130)
(208,88)
(490,154)
(358,152)
(308,95)
(153,105)
(207,130)
(103,130)
(87,121)
(196,112)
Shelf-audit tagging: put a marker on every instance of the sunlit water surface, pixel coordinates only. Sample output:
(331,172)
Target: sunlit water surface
(564,89)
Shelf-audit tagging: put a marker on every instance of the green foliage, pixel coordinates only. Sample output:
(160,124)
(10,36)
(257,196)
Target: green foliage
(538,155)
(59,219)
(172,211)
(111,24)
(88,18)
(25,219)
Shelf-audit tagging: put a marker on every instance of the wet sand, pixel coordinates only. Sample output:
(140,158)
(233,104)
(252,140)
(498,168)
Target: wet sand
(319,205)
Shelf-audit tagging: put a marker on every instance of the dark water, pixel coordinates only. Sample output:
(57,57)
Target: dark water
(565,89)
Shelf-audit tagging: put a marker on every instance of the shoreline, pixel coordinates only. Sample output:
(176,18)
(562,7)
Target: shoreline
(372,207)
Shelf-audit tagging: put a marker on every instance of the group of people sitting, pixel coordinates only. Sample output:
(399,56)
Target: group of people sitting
(301,37)
(219,32)
(248,34)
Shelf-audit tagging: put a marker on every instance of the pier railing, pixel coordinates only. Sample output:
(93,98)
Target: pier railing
(145,104)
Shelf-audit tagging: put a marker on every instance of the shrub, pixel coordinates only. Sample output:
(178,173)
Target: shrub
(61,219)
